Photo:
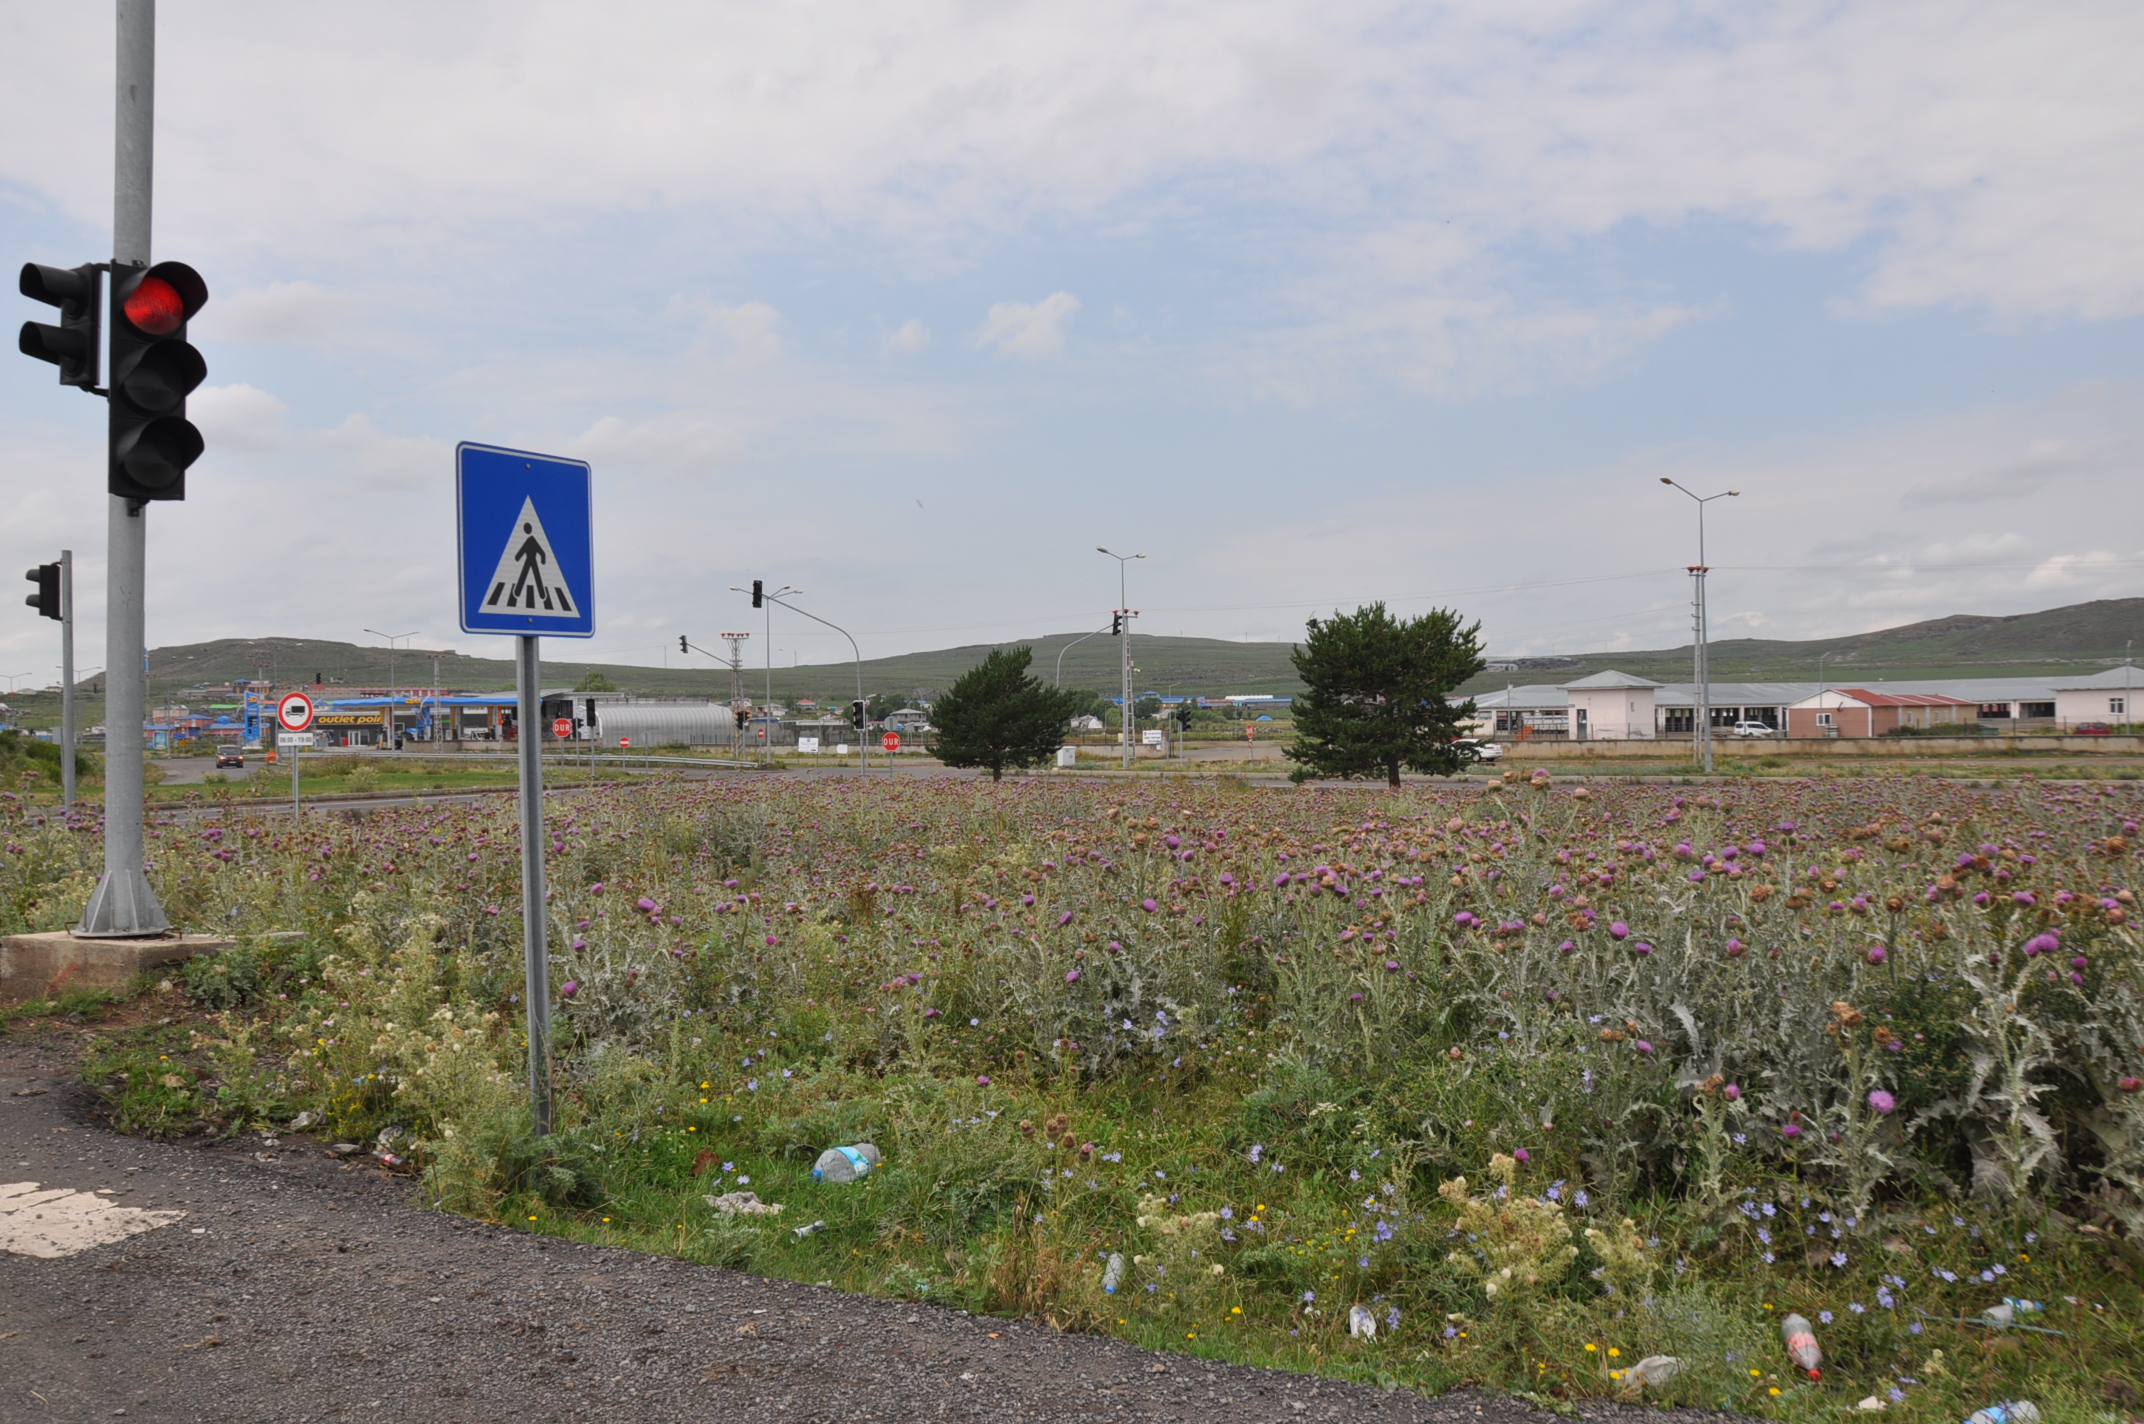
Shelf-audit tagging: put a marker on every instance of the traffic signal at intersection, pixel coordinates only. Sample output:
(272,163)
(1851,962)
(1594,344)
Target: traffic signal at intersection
(153,370)
(72,345)
(47,598)
(758,597)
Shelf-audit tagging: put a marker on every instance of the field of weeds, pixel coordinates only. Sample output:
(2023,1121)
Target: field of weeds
(1542,1079)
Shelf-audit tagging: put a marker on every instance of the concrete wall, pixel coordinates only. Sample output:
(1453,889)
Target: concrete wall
(1518,753)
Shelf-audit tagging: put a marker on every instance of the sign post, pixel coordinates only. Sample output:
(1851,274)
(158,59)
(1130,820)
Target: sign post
(294,718)
(526,561)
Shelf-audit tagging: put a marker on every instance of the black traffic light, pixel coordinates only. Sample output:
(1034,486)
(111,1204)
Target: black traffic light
(47,598)
(153,369)
(857,717)
(682,645)
(758,599)
(72,345)
(1116,625)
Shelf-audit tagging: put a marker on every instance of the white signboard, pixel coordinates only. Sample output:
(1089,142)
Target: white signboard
(807,744)
(293,739)
(1151,738)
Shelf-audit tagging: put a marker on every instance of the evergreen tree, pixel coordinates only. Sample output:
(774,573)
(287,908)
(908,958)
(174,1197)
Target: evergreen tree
(1374,699)
(997,716)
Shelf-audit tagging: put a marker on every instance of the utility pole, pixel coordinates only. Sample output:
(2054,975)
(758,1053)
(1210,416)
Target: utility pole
(123,906)
(1703,668)
(1124,649)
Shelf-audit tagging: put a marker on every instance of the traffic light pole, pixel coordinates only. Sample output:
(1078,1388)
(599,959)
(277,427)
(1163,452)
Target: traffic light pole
(535,942)
(66,679)
(123,905)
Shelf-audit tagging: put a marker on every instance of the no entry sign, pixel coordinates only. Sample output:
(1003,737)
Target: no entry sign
(891,741)
(562,727)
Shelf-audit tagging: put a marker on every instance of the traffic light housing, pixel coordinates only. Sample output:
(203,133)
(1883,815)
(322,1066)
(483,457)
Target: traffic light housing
(682,645)
(153,370)
(758,598)
(72,345)
(858,717)
(47,598)
(1116,625)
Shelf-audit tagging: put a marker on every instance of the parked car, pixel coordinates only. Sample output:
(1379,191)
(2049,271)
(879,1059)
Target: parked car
(1483,751)
(229,756)
(2092,729)
(1753,729)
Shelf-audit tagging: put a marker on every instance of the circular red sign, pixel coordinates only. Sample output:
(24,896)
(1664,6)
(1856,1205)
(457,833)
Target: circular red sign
(562,727)
(891,741)
(294,710)
(624,742)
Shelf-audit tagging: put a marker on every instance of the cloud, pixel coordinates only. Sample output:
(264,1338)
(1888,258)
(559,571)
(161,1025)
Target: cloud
(674,444)
(740,337)
(1029,329)
(389,462)
(280,311)
(239,416)
(911,338)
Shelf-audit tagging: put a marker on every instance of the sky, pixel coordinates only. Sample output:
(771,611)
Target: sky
(910,306)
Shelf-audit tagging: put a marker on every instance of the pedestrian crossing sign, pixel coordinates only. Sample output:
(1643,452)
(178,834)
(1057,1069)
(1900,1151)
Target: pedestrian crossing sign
(526,543)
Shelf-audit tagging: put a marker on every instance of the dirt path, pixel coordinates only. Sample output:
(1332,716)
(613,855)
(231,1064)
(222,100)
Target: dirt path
(296,1286)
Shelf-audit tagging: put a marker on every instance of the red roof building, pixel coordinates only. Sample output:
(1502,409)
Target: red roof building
(1858,712)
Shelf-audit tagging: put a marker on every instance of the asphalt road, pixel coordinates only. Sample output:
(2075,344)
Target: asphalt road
(298,1286)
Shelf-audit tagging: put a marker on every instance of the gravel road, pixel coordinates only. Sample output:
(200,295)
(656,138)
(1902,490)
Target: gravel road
(297,1286)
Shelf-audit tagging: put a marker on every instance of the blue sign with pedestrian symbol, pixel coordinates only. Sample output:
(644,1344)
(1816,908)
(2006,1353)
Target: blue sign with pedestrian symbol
(526,543)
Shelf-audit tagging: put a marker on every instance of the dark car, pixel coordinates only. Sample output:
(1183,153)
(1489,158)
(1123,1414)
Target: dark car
(2092,729)
(229,756)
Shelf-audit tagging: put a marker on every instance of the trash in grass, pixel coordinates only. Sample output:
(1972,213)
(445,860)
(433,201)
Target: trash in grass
(743,1204)
(2011,1411)
(1873,1405)
(1656,1369)
(1360,1323)
(2000,1317)
(1801,1344)
(845,1164)
(803,1231)
(1113,1273)
(344,1149)
(301,1122)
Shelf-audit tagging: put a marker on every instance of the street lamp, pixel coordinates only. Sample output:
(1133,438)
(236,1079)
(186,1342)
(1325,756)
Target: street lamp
(1124,615)
(392,638)
(863,762)
(1704,667)
(1068,648)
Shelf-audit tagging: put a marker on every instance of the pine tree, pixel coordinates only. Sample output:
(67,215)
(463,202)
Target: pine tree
(997,716)
(1375,694)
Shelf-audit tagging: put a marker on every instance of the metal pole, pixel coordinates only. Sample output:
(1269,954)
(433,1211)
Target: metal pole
(766,717)
(1068,648)
(66,679)
(123,905)
(296,751)
(862,764)
(535,945)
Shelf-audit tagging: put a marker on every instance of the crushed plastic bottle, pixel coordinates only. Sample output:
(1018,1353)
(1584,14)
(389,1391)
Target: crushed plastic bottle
(2024,1307)
(845,1164)
(1801,1345)
(1113,1273)
(1656,1369)
(1360,1323)
(2010,1411)
(801,1232)
(1999,1317)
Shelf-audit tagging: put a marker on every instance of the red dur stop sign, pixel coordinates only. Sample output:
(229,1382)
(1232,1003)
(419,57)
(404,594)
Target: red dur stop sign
(891,741)
(562,727)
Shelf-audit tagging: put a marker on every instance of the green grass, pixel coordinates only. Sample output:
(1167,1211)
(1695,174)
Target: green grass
(81,1005)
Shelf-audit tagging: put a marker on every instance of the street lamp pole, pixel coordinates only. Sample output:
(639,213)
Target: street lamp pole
(1068,648)
(394,688)
(863,761)
(767,716)
(1126,721)
(1699,629)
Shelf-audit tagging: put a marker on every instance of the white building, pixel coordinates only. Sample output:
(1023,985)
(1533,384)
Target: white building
(2109,697)
(1611,707)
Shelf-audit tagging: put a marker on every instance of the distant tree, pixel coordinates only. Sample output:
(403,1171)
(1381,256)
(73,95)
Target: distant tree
(995,715)
(595,682)
(878,705)
(1374,700)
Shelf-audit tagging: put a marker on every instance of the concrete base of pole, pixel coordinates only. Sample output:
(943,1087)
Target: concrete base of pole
(39,966)
(123,907)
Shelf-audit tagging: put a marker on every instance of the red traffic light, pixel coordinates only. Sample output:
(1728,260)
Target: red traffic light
(155,307)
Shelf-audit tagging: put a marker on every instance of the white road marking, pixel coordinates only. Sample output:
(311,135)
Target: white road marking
(53,1222)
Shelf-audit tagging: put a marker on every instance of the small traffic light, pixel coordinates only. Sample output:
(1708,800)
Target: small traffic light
(153,369)
(682,645)
(47,598)
(1116,625)
(758,598)
(857,717)
(72,345)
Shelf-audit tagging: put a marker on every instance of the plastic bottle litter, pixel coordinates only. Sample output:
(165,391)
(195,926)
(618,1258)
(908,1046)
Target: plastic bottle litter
(2024,1307)
(1872,1405)
(1801,1344)
(845,1164)
(2011,1411)
(1999,1317)
(1656,1369)
(803,1231)
(1113,1273)
(1360,1323)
